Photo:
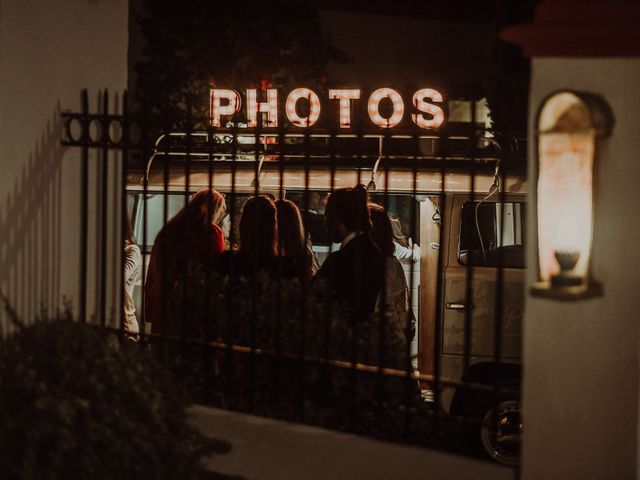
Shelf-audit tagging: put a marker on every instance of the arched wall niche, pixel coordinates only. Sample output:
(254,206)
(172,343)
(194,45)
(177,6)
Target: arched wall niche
(569,127)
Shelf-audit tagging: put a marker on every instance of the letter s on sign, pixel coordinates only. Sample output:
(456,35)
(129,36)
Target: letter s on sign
(425,107)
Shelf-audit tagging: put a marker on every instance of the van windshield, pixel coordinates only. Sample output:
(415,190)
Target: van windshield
(492,234)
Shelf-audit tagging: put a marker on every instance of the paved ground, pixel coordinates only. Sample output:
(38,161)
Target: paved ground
(265,449)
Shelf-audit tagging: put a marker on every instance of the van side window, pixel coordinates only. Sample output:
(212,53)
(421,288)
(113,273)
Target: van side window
(492,234)
(155,215)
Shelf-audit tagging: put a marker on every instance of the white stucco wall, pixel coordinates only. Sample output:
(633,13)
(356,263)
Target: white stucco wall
(49,51)
(581,359)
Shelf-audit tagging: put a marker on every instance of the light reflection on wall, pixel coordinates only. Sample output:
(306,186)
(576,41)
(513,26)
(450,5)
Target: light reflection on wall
(566,148)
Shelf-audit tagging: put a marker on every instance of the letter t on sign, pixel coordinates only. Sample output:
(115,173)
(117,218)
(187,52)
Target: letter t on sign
(344,96)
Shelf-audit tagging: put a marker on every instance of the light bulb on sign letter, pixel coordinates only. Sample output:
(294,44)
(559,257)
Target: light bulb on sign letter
(314,107)
(270,107)
(345,96)
(425,107)
(231,106)
(374,107)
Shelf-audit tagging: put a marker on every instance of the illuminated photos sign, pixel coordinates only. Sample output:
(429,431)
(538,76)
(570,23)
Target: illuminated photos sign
(386,107)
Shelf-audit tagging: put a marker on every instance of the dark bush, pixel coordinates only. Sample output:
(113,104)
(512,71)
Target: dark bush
(284,320)
(74,404)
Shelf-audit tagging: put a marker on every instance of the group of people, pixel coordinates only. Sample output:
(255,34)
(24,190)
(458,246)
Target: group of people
(364,275)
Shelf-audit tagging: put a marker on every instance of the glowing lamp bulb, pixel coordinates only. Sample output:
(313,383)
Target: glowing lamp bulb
(565,202)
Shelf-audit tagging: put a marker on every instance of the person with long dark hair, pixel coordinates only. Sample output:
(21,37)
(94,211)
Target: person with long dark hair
(191,237)
(291,240)
(258,250)
(355,272)
(394,300)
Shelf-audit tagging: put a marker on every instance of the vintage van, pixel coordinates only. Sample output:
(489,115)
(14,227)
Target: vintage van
(458,290)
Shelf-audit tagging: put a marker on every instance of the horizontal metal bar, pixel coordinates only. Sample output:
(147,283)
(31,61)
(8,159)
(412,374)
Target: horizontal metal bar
(341,364)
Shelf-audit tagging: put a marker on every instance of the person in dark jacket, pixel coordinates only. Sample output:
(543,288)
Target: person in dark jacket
(355,272)
(394,301)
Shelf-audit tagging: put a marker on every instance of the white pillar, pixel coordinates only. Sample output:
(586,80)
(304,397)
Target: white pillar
(581,360)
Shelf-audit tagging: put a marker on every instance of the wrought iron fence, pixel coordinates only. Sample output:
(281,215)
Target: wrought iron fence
(266,337)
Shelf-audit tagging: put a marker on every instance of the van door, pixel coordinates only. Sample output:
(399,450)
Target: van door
(483,234)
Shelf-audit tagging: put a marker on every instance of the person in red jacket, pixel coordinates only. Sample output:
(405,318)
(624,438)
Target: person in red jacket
(191,237)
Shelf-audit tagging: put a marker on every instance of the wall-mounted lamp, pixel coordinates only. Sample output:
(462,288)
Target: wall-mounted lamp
(569,126)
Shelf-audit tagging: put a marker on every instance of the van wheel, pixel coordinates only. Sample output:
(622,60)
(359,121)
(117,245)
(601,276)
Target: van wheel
(501,431)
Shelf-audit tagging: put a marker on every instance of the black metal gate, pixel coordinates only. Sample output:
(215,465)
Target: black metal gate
(279,345)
